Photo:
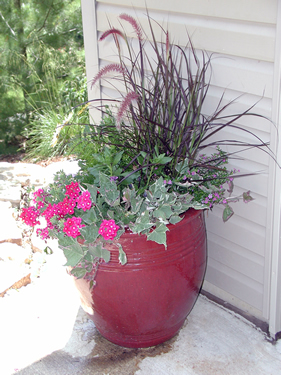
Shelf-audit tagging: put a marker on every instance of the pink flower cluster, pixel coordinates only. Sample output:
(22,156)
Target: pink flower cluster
(211,199)
(38,194)
(84,201)
(73,197)
(30,215)
(72,226)
(108,229)
(73,190)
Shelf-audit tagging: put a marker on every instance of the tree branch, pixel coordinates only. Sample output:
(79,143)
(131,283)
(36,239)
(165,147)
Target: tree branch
(9,27)
(45,20)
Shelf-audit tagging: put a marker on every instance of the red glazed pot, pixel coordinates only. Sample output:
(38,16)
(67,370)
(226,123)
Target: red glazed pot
(146,301)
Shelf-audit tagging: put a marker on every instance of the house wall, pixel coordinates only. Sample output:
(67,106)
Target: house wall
(242,35)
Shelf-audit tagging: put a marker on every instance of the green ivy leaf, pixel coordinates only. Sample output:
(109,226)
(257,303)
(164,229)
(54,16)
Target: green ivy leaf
(227,213)
(170,198)
(183,166)
(175,219)
(159,213)
(122,255)
(136,205)
(230,187)
(167,209)
(247,197)
(158,188)
(159,235)
(142,223)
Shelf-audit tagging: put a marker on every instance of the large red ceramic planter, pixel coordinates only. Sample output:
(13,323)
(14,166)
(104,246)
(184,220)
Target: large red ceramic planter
(146,301)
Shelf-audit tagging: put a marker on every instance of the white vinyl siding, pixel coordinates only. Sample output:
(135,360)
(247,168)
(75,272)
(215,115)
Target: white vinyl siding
(241,35)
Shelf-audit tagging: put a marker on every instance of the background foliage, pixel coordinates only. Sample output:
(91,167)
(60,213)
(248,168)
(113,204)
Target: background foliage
(42,68)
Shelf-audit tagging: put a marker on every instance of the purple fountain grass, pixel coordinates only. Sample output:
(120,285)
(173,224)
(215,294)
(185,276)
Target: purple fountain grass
(170,86)
(105,70)
(127,101)
(134,24)
(111,32)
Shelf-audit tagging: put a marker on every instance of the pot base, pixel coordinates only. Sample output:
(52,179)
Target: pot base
(146,301)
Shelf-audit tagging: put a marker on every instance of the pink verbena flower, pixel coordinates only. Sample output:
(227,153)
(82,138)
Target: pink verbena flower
(36,194)
(30,215)
(84,201)
(73,190)
(39,203)
(67,205)
(108,229)
(43,233)
(49,212)
(72,226)
(59,210)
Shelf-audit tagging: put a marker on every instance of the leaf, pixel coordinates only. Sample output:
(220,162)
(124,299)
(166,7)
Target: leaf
(90,233)
(175,219)
(167,209)
(93,190)
(73,254)
(78,272)
(117,158)
(90,216)
(122,255)
(106,184)
(65,241)
(183,184)
(161,159)
(89,257)
(143,154)
(170,199)
(159,235)
(99,252)
(227,213)
(94,171)
(159,213)
(182,167)
(158,188)
(247,197)
(95,250)
(110,214)
(142,223)
(109,190)
(230,187)
(105,254)
(136,205)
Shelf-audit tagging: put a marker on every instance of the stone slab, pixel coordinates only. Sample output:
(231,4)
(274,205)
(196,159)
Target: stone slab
(9,230)
(11,273)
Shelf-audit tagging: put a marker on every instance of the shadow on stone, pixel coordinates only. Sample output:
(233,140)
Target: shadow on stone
(105,358)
